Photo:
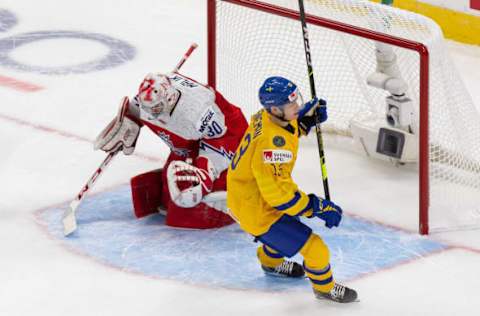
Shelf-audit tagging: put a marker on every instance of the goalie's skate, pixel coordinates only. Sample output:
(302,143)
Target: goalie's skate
(339,293)
(287,269)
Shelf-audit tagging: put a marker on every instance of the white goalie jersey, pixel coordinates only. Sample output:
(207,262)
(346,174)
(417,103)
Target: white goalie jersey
(201,122)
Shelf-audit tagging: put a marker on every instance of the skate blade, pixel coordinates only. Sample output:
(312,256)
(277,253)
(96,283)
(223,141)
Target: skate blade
(283,276)
(322,298)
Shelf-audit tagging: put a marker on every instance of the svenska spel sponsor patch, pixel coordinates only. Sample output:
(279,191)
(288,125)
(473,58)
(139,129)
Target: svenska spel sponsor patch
(277,156)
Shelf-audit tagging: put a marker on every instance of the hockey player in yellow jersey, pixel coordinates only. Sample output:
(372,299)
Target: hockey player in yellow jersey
(265,200)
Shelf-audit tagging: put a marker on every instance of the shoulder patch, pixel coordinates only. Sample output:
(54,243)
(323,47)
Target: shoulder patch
(277,156)
(279,141)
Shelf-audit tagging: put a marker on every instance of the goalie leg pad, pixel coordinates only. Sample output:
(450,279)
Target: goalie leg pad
(200,216)
(147,192)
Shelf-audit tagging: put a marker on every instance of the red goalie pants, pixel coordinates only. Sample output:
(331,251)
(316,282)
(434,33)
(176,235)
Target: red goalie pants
(150,191)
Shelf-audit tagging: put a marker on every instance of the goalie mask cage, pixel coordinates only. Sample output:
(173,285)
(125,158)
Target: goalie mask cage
(251,40)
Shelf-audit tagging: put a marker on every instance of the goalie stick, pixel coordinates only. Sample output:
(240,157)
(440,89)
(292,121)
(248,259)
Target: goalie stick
(185,57)
(318,129)
(69,219)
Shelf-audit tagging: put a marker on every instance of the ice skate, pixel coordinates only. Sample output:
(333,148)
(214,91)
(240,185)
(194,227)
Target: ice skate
(339,293)
(287,269)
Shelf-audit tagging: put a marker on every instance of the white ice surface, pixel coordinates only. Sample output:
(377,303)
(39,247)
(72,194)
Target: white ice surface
(46,157)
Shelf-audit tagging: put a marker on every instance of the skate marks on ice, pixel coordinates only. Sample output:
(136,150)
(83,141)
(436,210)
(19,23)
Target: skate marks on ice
(109,233)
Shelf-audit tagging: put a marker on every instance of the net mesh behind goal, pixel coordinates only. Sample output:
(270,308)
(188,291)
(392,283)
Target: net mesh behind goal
(251,44)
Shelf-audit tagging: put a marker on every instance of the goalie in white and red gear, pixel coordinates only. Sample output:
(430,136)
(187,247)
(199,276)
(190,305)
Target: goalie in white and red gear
(202,130)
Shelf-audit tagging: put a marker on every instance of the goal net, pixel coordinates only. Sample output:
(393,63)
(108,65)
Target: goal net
(251,40)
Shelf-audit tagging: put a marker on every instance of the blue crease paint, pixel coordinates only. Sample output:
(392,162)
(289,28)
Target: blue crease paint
(225,257)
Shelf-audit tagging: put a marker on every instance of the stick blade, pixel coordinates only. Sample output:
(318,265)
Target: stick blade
(69,220)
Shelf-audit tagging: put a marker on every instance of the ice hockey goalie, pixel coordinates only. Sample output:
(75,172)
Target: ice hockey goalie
(202,130)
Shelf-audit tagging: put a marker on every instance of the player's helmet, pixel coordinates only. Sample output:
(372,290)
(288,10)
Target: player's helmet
(156,93)
(277,91)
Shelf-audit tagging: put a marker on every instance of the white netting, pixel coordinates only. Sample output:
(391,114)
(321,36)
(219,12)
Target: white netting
(252,45)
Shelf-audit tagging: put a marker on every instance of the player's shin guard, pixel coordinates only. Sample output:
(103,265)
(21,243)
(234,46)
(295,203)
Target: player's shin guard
(322,279)
(316,264)
(317,268)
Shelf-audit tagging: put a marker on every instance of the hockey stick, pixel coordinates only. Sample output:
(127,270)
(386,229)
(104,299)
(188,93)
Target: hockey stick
(69,217)
(318,129)
(185,57)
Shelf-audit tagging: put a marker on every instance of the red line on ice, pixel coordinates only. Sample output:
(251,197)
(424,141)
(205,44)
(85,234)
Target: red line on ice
(65,134)
(19,85)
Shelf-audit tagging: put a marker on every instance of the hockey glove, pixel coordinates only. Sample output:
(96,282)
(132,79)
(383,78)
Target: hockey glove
(187,183)
(326,210)
(306,118)
(122,132)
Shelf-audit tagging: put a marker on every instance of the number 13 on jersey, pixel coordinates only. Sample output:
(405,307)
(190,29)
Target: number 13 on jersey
(242,149)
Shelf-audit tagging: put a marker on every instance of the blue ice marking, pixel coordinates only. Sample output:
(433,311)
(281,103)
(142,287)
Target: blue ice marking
(119,52)
(7,20)
(225,257)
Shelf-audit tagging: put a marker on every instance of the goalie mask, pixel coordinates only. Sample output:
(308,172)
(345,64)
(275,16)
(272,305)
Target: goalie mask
(156,94)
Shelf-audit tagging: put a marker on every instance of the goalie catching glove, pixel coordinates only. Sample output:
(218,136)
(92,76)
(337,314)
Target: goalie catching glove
(188,183)
(324,209)
(121,133)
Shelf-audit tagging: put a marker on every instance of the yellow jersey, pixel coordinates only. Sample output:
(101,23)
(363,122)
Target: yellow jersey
(260,188)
